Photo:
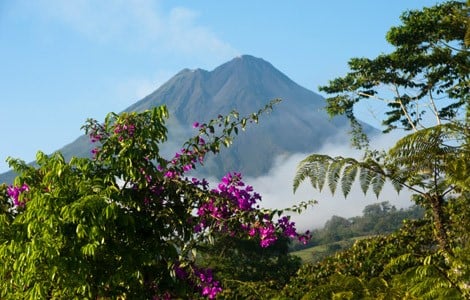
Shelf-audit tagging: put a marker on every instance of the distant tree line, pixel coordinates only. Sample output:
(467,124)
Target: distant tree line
(377,219)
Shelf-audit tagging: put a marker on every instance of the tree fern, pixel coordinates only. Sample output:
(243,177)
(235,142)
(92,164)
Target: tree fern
(417,160)
(321,169)
(426,150)
(313,167)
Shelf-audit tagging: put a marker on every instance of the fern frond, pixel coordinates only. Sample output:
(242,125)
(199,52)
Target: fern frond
(378,182)
(426,149)
(314,167)
(397,184)
(334,174)
(349,176)
(365,178)
(303,171)
(323,169)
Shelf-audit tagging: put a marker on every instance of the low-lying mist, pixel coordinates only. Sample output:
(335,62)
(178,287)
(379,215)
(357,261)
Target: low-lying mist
(276,187)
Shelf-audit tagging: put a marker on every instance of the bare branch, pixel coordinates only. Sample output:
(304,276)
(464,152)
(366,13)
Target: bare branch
(404,110)
(434,108)
(374,97)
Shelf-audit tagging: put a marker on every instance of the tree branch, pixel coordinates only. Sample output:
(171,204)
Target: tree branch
(374,97)
(404,110)
(434,108)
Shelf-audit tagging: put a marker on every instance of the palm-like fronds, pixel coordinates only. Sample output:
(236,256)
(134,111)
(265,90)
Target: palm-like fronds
(427,149)
(334,171)
(417,160)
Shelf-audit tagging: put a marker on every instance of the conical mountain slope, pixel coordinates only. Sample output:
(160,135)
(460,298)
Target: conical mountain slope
(246,84)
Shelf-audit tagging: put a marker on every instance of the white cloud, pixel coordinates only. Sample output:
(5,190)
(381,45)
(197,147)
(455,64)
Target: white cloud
(277,192)
(166,36)
(137,24)
(185,35)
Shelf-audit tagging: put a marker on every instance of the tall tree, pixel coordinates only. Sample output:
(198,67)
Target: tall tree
(427,73)
(424,84)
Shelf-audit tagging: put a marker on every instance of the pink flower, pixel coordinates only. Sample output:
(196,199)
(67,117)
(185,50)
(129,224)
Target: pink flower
(267,235)
(95,152)
(95,137)
(14,192)
(170,174)
(287,227)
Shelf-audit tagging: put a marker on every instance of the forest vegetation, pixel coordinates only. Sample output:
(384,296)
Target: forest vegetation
(130,224)
(340,233)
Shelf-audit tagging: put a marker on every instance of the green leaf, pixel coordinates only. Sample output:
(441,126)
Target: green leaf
(348,177)
(80,231)
(378,182)
(365,178)
(334,174)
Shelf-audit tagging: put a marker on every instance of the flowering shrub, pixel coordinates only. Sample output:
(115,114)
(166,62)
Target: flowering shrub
(127,223)
(237,198)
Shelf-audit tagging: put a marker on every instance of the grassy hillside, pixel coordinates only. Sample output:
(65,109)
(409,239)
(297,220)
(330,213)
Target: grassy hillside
(340,233)
(317,253)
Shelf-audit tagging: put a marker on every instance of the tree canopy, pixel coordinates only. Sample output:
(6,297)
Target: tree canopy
(427,74)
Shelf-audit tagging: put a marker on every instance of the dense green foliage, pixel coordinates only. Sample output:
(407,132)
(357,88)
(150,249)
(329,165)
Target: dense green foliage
(248,271)
(130,224)
(402,265)
(367,265)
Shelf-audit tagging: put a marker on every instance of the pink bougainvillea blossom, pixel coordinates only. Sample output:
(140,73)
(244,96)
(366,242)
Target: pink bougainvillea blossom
(14,193)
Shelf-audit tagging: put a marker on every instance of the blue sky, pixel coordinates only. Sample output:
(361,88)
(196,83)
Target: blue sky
(64,61)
